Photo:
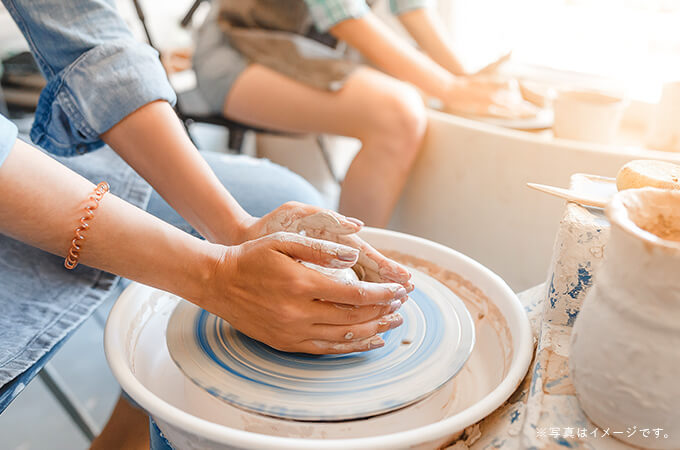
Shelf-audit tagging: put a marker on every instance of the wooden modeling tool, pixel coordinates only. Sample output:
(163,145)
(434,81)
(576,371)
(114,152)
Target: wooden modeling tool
(572,196)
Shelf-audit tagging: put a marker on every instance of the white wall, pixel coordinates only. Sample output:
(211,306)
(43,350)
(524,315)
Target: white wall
(468,191)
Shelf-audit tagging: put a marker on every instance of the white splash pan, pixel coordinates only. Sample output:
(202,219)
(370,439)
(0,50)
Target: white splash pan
(190,418)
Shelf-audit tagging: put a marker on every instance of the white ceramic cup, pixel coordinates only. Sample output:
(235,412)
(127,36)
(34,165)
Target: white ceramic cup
(587,116)
(664,128)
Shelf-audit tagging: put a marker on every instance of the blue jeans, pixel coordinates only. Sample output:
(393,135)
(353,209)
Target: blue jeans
(257,184)
(41,303)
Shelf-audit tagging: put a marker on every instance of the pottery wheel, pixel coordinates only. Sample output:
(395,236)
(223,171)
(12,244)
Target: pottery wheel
(419,357)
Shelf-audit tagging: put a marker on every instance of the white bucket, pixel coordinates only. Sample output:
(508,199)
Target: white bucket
(191,418)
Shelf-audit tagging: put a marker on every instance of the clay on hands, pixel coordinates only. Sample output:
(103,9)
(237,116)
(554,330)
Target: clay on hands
(347,276)
(324,224)
(352,344)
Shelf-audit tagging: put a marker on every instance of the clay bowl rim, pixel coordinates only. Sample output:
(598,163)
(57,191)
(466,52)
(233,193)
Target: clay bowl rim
(189,424)
(618,215)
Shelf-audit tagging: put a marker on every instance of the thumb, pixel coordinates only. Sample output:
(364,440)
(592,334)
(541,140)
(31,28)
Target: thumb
(316,251)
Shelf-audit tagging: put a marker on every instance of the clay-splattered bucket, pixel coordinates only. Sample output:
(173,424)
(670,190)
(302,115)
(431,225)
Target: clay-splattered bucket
(191,418)
(625,355)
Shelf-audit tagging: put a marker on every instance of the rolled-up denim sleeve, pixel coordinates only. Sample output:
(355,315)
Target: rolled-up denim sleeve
(8,136)
(327,13)
(97,73)
(401,6)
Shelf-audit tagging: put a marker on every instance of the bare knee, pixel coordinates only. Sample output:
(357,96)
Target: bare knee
(397,118)
(409,115)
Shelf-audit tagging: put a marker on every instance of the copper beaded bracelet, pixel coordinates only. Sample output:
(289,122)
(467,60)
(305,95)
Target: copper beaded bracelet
(71,260)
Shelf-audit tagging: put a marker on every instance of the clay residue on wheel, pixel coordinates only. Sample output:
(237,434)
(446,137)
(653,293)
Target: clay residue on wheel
(481,308)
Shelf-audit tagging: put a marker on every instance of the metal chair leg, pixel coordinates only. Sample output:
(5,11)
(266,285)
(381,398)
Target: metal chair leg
(142,19)
(327,158)
(3,105)
(235,139)
(190,14)
(69,402)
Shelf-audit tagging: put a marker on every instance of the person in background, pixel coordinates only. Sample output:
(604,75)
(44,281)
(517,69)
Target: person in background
(106,89)
(281,65)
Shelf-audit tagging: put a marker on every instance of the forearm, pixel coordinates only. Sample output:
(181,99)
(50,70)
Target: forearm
(41,203)
(429,32)
(153,141)
(392,54)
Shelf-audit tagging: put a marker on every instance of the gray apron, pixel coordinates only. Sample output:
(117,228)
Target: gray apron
(280,34)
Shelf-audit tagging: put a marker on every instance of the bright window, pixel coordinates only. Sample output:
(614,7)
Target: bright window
(626,45)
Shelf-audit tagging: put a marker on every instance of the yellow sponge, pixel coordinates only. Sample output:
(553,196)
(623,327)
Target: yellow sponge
(648,173)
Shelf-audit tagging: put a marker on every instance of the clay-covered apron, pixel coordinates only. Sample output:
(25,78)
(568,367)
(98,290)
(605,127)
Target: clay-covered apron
(281,35)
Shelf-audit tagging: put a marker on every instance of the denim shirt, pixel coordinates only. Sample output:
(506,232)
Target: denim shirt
(8,134)
(96,75)
(96,72)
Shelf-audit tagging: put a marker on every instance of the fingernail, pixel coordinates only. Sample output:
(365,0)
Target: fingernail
(395,305)
(347,254)
(399,292)
(396,321)
(355,221)
(376,342)
(391,321)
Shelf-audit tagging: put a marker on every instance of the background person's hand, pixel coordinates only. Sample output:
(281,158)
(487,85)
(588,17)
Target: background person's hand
(492,67)
(484,96)
(262,289)
(312,221)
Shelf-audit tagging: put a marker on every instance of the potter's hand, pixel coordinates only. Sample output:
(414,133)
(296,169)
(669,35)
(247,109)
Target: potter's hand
(487,97)
(324,224)
(493,67)
(261,289)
